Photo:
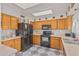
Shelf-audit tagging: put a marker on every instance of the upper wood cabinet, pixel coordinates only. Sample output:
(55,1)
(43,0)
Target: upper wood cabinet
(54,24)
(5,22)
(14,22)
(61,24)
(69,24)
(37,25)
(36,39)
(8,22)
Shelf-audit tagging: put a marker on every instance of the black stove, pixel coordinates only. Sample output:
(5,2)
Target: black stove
(45,38)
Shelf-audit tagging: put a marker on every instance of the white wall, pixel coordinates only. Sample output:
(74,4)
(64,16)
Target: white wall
(12,9)
(0,23)
(76,23)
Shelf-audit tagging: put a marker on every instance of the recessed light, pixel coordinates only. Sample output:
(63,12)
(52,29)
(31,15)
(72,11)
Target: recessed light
(42,13)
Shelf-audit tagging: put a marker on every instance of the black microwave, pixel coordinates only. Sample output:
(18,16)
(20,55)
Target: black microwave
(46,27)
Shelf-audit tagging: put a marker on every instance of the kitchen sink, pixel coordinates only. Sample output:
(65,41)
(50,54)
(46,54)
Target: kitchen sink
(71,41)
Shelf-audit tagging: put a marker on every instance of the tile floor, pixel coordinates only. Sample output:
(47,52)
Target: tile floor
(40,51)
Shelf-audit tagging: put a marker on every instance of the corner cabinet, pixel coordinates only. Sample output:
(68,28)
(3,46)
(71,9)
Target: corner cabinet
(36,39)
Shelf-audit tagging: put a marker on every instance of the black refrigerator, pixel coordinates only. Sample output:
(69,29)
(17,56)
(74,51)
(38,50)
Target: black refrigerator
(25,31)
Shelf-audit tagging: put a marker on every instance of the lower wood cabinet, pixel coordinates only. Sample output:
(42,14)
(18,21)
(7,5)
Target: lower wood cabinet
(61,45)
(13,43)
(36,39)
(17,43)
(56,43)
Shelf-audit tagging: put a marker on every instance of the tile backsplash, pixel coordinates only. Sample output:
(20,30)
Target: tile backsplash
(55,32)
(4,34)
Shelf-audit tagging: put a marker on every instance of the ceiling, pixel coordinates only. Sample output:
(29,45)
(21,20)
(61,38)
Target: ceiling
(57,9)
(26,5)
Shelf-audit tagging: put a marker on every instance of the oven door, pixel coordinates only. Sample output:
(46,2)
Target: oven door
(45,41)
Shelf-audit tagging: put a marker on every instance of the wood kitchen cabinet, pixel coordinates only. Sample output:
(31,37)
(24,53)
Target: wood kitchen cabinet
(69,24)
(55,42)
(8,22)
(5,21)
(61,24)
(36,39)
(37,25)
(17,43)
(13,43)
(14,23)
(54,24)
(61,45)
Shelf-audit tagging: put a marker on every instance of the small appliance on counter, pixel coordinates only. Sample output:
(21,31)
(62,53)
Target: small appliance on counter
(71,34)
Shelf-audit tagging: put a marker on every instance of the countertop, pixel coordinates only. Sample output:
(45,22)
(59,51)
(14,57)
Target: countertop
(70,49)
(10,38)
(7,51)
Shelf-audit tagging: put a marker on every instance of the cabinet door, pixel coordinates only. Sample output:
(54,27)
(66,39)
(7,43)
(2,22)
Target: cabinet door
(61,45)
(17,44)
(14,22)
(36,39)
(55,41)
(53,24)
(61,24)
(38,25)
(5,22)
(34,25)
(66,23)
(69,19)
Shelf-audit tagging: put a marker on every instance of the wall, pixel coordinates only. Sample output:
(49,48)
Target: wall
(0,23)
(55,32)
(14,10)
(75,13)
(75,28)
